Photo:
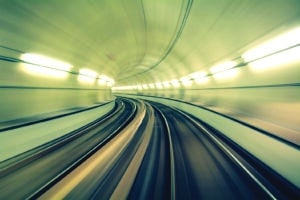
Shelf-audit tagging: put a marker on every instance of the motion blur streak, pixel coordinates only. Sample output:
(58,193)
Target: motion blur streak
(115,158)
(102,159)
(208,88)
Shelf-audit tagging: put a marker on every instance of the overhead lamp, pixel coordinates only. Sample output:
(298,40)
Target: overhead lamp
(88,72)
(145,86)
(166,84)
(224,70)
(87,76)
(202,80)
(175,83)
(227,74)
(105,80)
(102,81)
(151,85)
(140,87)
(159,85)
(223,66)
(276,60)
(186,81)
(279,43)
(40,65)
(200,77)
(45,61)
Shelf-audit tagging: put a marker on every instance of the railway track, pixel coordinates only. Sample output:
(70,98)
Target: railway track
(142,150)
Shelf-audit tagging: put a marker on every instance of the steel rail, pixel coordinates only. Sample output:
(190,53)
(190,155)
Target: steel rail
(83,158)
(230,154)
(104,159)
(171,151)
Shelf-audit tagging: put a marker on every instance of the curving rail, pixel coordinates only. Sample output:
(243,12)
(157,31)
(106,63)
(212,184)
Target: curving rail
(142,150)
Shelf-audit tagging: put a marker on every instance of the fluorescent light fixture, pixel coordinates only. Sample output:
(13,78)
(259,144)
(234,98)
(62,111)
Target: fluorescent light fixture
(166,84)
(175,83)
(186,81)
(40,65)
(151,85)
(140,87)
(200,77)
(87,76)
(223,66)
(276,60)
(281,42)
(105,80)
(145,86)
(102,81)
(44,61)
(197,75)
(227,74)
(43,71)
(202,80)
(88,72)
(159,85)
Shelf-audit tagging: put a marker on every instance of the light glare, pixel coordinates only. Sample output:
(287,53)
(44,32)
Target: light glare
(105,80)
(223,66)
(175,83)
(87,76)
(198,75)
(276,60)
(151,85)
(166,84)
(140,87)
(159,85)
(101,81)
(226,74)
(44,61)
(276,44)
(43,71)
(145,86)
(88,72)
(202,80)
(40,65)
(186,81)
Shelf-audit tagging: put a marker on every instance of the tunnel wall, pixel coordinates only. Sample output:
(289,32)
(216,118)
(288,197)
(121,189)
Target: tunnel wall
(24,94)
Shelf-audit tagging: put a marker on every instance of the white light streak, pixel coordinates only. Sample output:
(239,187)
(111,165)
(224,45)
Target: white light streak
(227,74)
(276,60)
(40,65)
(159,85)
(276,44)
(87,76)
(223,66)
(166,84)
(175,83)
(186,81)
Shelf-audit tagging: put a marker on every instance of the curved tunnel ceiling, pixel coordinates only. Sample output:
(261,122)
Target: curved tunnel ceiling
(142,41)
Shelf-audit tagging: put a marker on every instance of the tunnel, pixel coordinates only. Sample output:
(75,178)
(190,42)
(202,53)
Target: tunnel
(150,99)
